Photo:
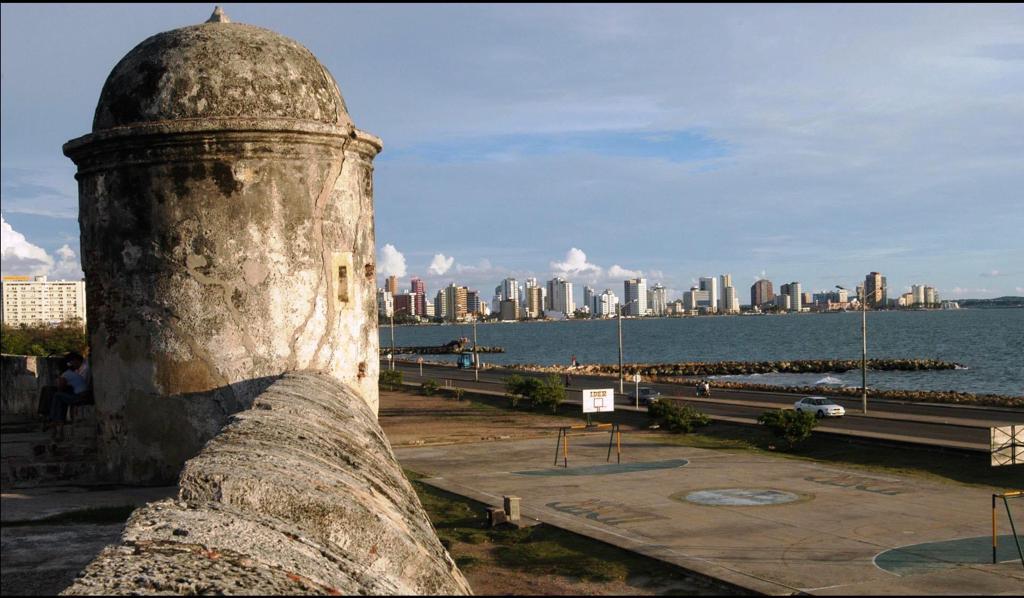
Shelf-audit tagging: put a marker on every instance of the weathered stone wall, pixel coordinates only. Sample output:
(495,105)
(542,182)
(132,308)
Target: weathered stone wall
(226,213)
(301,494)
(21,378)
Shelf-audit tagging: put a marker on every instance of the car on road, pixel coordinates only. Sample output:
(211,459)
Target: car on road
(820,407)
(648,395)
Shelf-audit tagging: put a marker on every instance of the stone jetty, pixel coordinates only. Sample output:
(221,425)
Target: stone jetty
(801,366)
(454,347)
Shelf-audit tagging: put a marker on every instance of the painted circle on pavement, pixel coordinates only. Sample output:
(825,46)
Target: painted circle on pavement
(738,497)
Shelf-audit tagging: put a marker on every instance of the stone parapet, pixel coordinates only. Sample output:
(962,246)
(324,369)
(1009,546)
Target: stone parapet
(301,494)
(21,378)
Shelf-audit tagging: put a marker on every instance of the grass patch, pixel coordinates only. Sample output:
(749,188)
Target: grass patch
(537,550)
(94,516)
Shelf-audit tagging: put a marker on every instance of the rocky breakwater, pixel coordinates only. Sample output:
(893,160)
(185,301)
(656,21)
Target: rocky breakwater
(800,366)
(454,347)
(684,372)
(301,494)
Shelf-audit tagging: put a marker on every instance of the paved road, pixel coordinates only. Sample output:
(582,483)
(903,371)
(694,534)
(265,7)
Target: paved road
(949,425)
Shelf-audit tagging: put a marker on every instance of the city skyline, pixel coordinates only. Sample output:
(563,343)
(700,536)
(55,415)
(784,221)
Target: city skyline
(709,295)
(773,149)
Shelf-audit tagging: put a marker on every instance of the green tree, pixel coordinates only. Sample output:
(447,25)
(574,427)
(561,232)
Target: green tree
(429,387)
(792,426)
(548,392)
(42,341)
(389,380)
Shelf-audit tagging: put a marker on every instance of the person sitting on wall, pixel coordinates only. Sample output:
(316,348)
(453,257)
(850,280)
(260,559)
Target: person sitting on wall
(74,387)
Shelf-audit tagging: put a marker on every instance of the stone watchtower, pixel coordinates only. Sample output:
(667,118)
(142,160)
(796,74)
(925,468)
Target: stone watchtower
(226,213)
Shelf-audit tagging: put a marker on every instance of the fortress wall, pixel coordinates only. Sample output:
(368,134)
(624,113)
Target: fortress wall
(301,494)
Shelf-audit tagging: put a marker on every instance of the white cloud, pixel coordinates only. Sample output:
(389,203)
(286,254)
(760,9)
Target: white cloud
(617,271)
(390,261)
(483,266)
(575,263)
(440,264)
(19,256)
(992,274)
(67,267)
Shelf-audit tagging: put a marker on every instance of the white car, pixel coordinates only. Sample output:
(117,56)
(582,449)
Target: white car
(820,407)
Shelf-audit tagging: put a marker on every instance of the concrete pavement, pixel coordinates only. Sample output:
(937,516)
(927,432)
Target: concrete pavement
(811,528)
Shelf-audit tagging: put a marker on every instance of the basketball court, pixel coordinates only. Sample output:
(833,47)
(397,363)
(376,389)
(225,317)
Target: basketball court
(766,523)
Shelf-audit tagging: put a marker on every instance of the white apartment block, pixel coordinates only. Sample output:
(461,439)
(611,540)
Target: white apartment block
(634,298)
(38,301)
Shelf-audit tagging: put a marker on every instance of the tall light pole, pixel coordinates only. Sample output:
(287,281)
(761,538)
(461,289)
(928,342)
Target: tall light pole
(618,312)
(864,348)
(391,357)
(618,316)
(476,356)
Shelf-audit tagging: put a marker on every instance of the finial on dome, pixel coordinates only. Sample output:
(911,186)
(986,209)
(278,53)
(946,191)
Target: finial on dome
(218,16)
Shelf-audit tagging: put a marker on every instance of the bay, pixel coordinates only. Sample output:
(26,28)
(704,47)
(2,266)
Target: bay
(989,342)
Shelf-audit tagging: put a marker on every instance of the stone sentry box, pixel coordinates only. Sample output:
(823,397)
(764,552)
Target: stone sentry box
(226,213)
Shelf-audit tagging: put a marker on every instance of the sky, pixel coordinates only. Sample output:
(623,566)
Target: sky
(600,142)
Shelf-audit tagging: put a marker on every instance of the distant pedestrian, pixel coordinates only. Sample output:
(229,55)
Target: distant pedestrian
(707,388)
(574,361)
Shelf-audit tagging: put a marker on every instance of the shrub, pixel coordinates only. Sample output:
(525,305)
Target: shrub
(518,388)
(389,380)
(548,392)
(457,393)
(677,418)
(790,425)
(429,387)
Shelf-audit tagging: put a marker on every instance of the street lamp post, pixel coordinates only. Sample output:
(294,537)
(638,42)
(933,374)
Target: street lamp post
(476,356)
(618,316)
(391,356)
(864,349)
(618,310)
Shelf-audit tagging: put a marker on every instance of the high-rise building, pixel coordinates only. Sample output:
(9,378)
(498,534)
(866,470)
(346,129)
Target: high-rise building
(725,281)
(710,285)
(430,309)
(385,303)
(392,285)
(657,300)
(419,288)
(455,299)
(404,304)
(509,309)
(560,296)
(510,289)
(588,299)
(931,297)
(473,302)
(875,289)
(795,297)
(761,292)
(534,302)
(34,301)
(634,297)
(605,304)
(524,291)
(730,302)
(441,304)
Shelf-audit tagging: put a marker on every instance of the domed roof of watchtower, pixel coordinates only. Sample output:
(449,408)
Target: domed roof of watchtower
(218,70)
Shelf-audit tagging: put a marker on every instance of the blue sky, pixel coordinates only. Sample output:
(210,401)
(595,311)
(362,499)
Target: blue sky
(807,143)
